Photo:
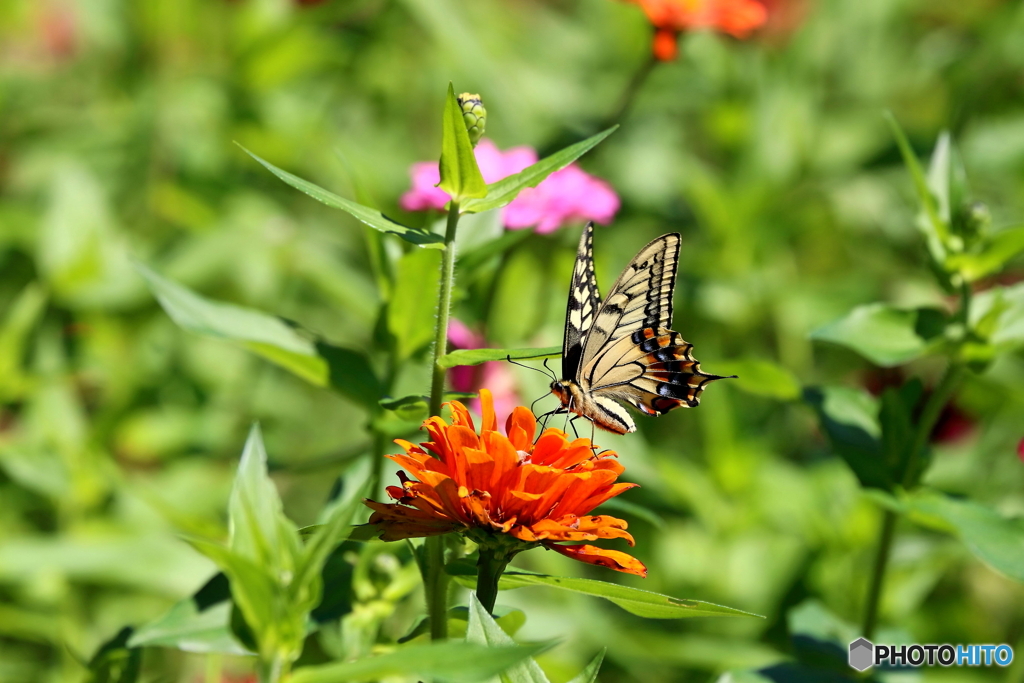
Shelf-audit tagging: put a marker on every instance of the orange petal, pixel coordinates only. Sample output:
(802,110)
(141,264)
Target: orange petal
(612,559)
(521,427)
(490,420)
(602,496)
(398,521)
(460,415)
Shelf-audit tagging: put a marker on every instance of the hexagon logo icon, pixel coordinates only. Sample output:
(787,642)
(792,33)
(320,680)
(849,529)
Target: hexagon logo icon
(862,654)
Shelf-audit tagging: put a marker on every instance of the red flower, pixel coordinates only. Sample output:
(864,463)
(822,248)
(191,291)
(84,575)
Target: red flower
(507,489)
(1020,450)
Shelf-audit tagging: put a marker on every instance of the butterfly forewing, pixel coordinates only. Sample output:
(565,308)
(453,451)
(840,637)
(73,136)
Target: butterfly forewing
(581,309)
(640,298)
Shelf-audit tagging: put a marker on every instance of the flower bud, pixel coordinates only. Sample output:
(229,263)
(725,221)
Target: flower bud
(474,114)
(977,219)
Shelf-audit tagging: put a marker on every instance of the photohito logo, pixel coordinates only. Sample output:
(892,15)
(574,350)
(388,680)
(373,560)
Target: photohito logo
(864,654)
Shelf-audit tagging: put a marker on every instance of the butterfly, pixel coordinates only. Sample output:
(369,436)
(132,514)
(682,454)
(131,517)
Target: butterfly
(621,350)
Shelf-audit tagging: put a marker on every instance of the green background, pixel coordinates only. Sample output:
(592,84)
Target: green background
(120,431)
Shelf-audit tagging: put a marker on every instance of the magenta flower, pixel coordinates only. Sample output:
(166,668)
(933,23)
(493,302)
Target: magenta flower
(564,196)
(471,378)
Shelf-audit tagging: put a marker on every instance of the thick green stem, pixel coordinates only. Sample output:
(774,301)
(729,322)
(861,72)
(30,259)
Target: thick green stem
(272,671)
(435,580)
(444,309)
(489,569)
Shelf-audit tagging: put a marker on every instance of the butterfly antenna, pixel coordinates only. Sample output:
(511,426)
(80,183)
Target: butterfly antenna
(528,367)
(554,377)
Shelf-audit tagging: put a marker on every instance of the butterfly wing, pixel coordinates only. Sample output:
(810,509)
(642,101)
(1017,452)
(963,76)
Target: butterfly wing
(581,309)
(652,370)
(641,298)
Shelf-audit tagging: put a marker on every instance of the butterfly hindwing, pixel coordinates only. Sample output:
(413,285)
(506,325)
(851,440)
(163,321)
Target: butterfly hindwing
(582,306)
(653,370)
(640,298)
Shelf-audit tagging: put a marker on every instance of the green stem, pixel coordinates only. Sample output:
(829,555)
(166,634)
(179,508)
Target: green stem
(489,569)
(270,672)
(444,309)
(911,476)
(885,537)
(628,95)
(435,580)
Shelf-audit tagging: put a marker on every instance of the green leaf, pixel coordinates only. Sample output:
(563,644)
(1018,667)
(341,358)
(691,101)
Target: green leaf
(502,192)
(884,335)
(460,175)
(995,540)
(253,588)
(937,230)
(18,321)
(375,219)
(199,623)
(351,374)
(115,661)
(255,512)
(321,545)
(483,630)
(187,628)
(264,334)
(634,600)
(478,356)
(991,258)
(346,371)
(412,311)
(849,421)
(898,429)
(589,673)
(764,378)
(997,314)
(947,180)
(450,660)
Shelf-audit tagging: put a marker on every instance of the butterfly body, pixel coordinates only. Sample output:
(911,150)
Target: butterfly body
(621,350)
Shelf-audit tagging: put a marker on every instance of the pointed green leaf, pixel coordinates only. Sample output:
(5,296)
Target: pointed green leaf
(460,175)
(502,192)
(253,588)
(484,630)
(264,334)
(375,219)
(634,600)
(589,673)
(478,356)
(938,229)
(254,509)
(347,371)
(412,311)
(461,662)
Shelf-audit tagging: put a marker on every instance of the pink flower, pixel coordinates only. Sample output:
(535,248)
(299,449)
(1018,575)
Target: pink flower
(566,195)
(470,378)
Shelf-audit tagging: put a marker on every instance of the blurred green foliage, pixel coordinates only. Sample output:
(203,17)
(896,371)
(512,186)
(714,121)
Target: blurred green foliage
(120,432)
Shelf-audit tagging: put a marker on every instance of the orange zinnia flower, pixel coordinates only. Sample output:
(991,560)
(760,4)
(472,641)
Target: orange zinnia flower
(671,17)
(507,493)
